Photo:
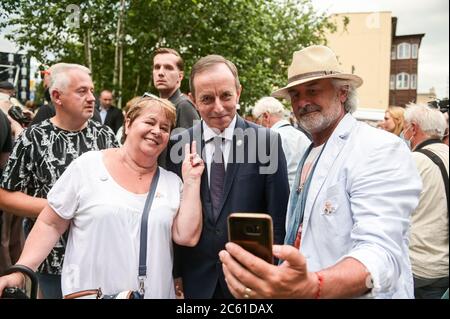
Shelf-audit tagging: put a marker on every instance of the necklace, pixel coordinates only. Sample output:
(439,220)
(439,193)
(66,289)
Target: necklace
(304,175)
(309,164)
(137,170)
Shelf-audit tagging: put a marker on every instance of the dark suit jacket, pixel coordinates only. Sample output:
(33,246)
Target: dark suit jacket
(114,118)
(186,111)
(245,190)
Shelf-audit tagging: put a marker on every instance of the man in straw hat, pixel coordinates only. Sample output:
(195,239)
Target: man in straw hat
(348,213)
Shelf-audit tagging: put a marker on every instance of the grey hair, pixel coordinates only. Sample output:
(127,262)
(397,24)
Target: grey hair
(268,104)
(352,97)
(59,79)
(432,122)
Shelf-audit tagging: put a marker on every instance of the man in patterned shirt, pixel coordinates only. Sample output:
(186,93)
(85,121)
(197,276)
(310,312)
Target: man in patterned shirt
(45,150)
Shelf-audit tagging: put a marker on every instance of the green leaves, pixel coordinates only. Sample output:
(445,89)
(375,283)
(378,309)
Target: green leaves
(259,36)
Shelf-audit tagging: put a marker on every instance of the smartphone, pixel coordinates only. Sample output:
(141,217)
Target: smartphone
(253,232)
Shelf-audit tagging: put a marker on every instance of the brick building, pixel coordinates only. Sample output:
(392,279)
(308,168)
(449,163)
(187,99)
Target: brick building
(404,62)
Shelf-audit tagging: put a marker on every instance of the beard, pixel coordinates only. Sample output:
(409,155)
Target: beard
(313,119)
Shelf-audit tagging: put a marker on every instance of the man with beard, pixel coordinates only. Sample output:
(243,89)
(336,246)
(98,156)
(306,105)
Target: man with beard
(349,210)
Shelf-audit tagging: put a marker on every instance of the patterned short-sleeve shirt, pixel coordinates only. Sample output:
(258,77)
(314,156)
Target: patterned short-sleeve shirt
(40,156)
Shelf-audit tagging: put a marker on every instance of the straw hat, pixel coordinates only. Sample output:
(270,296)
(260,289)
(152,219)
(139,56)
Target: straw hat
(315,62)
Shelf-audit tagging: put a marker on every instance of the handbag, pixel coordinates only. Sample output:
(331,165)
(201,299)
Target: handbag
(142,271)
(18,293)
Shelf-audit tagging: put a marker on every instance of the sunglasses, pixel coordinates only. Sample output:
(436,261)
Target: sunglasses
(157,98)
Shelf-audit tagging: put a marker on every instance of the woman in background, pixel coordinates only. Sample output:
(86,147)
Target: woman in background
(393,120)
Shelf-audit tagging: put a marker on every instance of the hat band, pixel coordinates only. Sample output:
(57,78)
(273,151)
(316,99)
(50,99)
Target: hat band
(310,75)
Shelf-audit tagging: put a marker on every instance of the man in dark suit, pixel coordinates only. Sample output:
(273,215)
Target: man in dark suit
(252,178)
(109,114)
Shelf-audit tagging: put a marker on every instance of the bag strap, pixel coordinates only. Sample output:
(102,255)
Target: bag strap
(142,274)
(26,271)
(437,160)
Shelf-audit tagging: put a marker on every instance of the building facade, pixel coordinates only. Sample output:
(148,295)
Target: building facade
(404,67)
(362,43)
(426,97)
(366,44)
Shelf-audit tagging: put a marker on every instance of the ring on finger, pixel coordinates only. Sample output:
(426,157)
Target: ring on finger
(247,292)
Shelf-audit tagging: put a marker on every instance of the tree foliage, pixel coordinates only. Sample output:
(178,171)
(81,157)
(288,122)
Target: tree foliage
(259,36)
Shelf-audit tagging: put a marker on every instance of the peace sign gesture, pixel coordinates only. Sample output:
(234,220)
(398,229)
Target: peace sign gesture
(193,164)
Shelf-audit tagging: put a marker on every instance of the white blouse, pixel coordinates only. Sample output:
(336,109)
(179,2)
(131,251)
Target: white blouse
(103,245)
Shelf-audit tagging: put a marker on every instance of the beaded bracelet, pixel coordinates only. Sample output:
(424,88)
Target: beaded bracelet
(320,279)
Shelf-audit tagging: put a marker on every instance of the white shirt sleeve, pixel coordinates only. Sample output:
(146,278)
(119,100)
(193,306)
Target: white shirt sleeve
(63,198)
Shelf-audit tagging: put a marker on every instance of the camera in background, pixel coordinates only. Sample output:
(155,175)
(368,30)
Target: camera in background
(17,114)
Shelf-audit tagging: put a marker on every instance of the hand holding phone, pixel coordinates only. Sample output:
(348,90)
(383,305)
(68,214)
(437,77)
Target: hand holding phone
(253,232)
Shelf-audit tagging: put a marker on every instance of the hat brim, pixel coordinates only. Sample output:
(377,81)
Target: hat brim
(283,93)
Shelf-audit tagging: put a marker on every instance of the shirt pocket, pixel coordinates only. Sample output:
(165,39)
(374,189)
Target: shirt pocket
(335,211)
(331,202)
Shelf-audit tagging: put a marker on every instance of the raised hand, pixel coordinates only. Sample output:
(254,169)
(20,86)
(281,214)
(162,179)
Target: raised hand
(193,164)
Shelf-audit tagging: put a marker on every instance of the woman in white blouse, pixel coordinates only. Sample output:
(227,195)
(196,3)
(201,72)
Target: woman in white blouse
(101,197)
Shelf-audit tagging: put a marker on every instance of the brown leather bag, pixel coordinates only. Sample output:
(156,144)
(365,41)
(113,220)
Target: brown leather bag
(97,294)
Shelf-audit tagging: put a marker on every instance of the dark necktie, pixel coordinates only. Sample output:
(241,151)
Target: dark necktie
(217,175)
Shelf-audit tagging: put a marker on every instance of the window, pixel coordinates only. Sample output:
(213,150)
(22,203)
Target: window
(413,81)
(415,50)
(404,51)
(392,83)
(393,52)
(402,81)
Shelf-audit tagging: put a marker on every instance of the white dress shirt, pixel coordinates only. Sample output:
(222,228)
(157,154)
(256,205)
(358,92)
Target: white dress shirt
(103,113)
(227,135)
(294,144)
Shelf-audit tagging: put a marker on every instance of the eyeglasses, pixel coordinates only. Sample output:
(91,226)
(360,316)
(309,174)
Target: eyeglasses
(406,128)
(258,117)
(146,94)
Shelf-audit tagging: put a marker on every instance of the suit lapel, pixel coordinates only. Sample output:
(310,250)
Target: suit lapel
(197,135)
(232,166)
(108,116)
(333,147)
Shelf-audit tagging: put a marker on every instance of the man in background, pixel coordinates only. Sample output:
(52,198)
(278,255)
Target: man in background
(269,112)
(110,115)
(168,72)
(423,129)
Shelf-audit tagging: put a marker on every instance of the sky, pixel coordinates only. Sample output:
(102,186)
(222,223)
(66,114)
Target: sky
(414,16)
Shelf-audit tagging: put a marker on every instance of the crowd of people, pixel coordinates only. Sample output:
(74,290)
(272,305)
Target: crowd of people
(357,211)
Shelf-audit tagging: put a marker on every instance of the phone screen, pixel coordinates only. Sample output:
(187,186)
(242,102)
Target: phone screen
(253,232)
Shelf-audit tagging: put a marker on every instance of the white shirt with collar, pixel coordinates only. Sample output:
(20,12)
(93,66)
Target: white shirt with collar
(227,135)
(103,113)
(294,143)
